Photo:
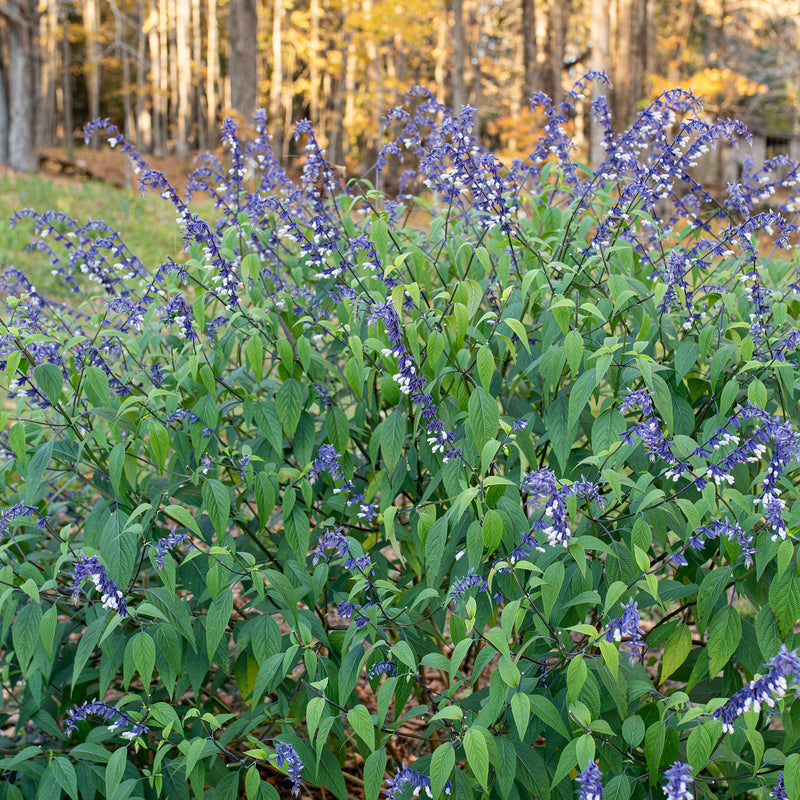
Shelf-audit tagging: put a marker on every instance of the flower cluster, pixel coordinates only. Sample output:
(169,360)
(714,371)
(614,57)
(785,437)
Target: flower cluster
(168,543)
(7,517)
(409,381)
(470,580)
(627,629)
(118,719)
(407,776)
(327,460)
(286,754)
(381,668)
(732,531)
(784,670)
(111,596)
(649,429)
(544,490)
(589,780)
(679,781)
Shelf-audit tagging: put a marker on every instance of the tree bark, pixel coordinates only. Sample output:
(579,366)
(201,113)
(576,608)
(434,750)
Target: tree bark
(212,71)
(600,62)
(243,40)
(91,24)
(184,78)
(49,32)
(144,119)
(459,56)
(198,95)
(531,82)
(276,82)
(66,88)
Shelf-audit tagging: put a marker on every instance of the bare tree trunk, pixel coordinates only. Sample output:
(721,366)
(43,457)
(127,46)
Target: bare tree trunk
(212,71)
(184,77)
(600,62)
(243,40)
(48,48)
(276,83)
(287,105)
(459,55)
(531,81)
(313,64)
(440,67)
(164,74)
(4,111)
(201,111)
(558,28)
(66,88)
(686,13)
(144,120)
(91,24)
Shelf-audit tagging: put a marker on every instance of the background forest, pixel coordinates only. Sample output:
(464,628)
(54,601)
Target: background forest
(167,71)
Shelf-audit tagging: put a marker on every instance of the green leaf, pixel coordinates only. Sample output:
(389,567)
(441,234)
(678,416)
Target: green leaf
(543,708)
(711,589)
(47,629)
(144,656)
(361,722)
(442,763)
(676,649)
(434,548)
(25,633)
(65,775)
(393,435)
(374,768)
(561,435)
(791,776)
(477,755)
(573,345)
(579,395)
(254,352)
(120,549)
(566,763)
(87,643)
(784,599)
(698,748)
(724,635)
(633,730)
(484,416)
(34,488)
(115,769)
(183,517)
(492,529)
(50,381)
(289,405)
(217,503)
(521,711)
(485,364)
(653,748)
(219,614)
(159,444)
(767,633)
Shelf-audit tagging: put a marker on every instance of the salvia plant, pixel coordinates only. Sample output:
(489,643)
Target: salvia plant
(482,489)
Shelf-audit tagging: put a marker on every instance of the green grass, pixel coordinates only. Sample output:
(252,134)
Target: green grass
(146,223)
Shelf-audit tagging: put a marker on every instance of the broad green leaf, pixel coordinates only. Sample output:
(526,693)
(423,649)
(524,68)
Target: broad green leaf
(521,711)
(579,395)
(361,722)
(219,614)
(115,769)
(144,656)
(477,755)
(50,381)
(484,416)
(65,775)
(374,768)
(784,599)
(443,761)
(217,504)
(544,709)
(676,649)
(289,402)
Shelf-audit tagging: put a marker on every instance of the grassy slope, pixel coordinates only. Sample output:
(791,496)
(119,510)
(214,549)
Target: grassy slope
(147,224)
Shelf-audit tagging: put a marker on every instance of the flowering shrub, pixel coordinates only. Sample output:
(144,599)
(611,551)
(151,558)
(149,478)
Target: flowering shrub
(500,505)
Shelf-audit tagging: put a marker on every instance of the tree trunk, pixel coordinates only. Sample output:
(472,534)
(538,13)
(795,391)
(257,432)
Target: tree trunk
(459,55)
(201,111)
(531,82)
(276,83)
(66,89)
(4,114)
(212,71)
(91,24)
(686,13)
(144,119)
(313,65)
(243,40)
(600,62)
(48,47)
(184,77)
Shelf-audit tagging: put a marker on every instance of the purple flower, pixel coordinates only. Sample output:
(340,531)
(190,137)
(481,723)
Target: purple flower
(679,779)
(286,754)
(418,781)
(381,668)
(334,538)
(591,787)
(168,543)
(784,670)
(327,460)
(117,719)
(627,629)
(111,596)
(470,580)
(778,791)
(7,517)
(543,490)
